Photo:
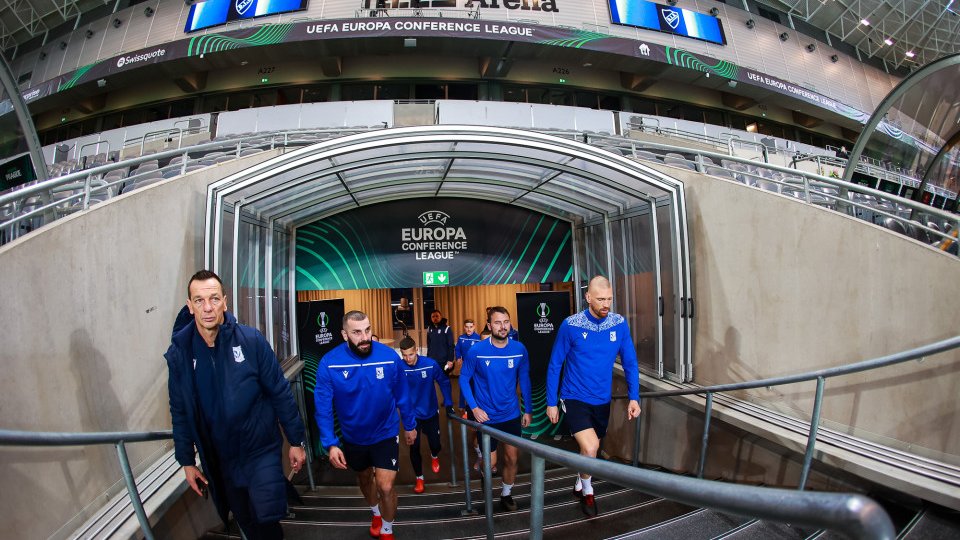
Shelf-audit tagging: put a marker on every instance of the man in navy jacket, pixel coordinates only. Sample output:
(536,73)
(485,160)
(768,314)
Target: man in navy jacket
(440,341)
(228,398)
(363,381)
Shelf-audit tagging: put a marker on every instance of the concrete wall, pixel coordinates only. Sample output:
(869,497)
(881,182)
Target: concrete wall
(783,287)
(88,305)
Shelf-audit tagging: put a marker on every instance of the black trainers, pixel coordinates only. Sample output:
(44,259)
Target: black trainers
(588,505)
(507,503)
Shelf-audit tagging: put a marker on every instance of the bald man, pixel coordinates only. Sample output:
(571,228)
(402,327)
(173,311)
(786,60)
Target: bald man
(589,343)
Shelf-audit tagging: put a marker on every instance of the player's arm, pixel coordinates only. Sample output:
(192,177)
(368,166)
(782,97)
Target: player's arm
(631,371)
(446,388)
(561,346)
(526,389)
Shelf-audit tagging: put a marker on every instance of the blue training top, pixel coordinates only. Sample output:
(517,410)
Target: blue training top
(489,379)
(365,391)
(420,380)
(589,347)
(464,342)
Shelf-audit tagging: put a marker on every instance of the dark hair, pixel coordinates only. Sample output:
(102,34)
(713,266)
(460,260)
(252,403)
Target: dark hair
(468,321)
(353,315)
(203,275)
(407,343)
(496,309)
(436,311)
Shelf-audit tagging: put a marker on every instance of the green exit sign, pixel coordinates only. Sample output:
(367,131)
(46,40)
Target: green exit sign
(433,279)
(264,80)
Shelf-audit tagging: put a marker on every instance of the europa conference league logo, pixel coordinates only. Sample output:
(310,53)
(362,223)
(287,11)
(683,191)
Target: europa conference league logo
(324,336)
(434,239)
(543,325)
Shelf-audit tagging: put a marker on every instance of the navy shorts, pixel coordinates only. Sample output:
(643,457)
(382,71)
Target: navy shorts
(510,426)
(578,416)
(382,455)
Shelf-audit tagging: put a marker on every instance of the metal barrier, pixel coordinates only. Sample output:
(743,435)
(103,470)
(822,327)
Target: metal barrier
(819,375)
(856,515)
(118,439)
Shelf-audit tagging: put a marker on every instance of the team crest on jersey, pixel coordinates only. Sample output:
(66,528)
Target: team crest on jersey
(238,354)
(379,372)
(423,374)
(613,335)
(393,460)
(584,335)
(510,363)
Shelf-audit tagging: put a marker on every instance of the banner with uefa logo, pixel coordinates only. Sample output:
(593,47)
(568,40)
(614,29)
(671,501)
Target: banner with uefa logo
(318,330)
(539,315)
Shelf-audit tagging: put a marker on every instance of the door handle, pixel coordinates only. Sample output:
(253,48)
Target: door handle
(660,302)
(691,306)
(683,307)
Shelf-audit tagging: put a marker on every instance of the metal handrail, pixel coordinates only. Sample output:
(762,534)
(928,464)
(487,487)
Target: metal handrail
(819,375)
(856,515)
(116,438)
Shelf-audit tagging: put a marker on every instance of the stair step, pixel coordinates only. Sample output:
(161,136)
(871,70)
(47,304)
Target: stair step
(455,526)
(758,529)
(435,493)
(416,508)
(932,526)
(700,524)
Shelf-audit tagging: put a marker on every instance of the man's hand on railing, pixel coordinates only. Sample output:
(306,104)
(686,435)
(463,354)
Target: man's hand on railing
(480,415)
(633,409)
(298,456)
(194,478)
(553,413)
(337,459)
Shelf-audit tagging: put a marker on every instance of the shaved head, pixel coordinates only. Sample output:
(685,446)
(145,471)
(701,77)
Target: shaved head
(599,296)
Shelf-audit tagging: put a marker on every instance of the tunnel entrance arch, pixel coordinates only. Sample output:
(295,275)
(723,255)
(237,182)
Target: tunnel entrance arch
(627,221)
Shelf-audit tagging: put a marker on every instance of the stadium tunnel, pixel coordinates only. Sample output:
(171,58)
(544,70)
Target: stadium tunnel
(625,219)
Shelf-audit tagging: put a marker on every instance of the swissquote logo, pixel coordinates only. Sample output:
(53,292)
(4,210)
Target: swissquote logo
(435,238)
(671,17)
(543,324)
(242,6)
(142,57)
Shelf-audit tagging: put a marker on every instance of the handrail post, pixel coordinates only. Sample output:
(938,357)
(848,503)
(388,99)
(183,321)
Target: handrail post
(466,472)
(132,491)
(86,192)
(486,483)
(453,455)
(537,465)
(812,437)
(635,461)
(704,440)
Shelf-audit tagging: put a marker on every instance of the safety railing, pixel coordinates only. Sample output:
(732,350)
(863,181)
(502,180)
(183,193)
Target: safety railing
(820,376)
(119,439)
(807,186)
(856,515)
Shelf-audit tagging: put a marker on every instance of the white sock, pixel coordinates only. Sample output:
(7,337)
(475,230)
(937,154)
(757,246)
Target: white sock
(578,486)
(375,509)
(387,527)
(433,456)
(587,488)
(420,477)
(505,491)
(477,450)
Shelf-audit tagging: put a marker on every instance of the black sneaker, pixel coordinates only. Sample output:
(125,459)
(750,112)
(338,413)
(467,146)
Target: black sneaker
(588,505)
(507,503)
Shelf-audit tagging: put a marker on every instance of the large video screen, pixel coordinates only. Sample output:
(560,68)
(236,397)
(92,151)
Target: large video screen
(673,20)
(213,12)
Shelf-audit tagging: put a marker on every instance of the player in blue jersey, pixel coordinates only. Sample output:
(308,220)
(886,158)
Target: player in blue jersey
(364,382)
(422,373)
(491,371)
(586,347)
(467,339)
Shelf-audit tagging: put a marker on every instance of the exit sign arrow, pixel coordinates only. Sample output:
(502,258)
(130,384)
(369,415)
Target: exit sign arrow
(433,279)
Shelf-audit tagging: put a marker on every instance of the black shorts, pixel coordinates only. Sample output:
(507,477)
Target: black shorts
(382,455)
(578,416)
(510,426)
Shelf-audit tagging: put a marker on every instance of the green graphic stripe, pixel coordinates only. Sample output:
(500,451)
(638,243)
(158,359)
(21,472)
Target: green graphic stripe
(308,275)
(526,247)
(268,34)
(680,57)
(507,253)
(542,246)
(336,230)
(555,257)
(325,263)
(363,247)
(569,274)
(80,72)
(581,38)
(342,258)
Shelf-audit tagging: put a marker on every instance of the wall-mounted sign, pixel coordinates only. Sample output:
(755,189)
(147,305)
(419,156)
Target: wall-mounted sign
(213,12)
(669,19)
(406,243)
